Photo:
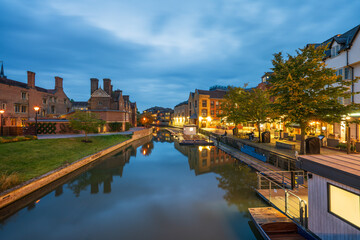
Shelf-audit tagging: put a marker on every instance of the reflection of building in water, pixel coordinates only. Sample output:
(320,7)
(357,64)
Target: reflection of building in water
(103,173)
(204,159)
(163,136)
(147,148)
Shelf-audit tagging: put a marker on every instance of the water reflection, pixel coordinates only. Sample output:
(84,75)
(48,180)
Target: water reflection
(147,148)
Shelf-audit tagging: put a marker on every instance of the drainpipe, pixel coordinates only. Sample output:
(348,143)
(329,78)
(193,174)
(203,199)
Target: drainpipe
(352,86)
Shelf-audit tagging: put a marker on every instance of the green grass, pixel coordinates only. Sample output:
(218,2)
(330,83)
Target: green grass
(33,158)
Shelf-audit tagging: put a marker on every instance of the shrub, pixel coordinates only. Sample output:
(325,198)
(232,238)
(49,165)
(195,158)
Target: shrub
(9,180)
(115,126)
(127,126)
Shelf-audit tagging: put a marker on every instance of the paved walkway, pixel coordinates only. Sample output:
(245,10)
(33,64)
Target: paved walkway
(55,136)
(271,146)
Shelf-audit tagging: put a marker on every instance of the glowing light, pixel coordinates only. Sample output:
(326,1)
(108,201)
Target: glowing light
(200,118)
(2,111)
(323,128)
(191,129)
(36,108)
(209,119)
(37,201)
(347,118)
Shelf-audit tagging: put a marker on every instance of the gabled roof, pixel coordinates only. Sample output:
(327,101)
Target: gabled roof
(99,93)
(345,40)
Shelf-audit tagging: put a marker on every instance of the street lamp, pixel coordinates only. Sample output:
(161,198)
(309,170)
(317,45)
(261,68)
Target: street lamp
(36,108)
(1,121)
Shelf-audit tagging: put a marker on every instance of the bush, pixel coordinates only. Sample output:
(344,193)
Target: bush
(8,181)
(343,146)
(115,126)
(127,126)
(16,139)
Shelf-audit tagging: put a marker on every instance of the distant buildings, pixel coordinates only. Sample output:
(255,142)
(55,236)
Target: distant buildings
(202,109)
(111,106)
(18,99)
(162,116)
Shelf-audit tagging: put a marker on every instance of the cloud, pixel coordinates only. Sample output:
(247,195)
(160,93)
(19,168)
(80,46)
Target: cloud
(158,51)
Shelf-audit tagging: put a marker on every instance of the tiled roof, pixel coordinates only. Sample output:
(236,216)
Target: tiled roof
(79,104)
(213,94)
(24,85)
(182,103)
(345,40)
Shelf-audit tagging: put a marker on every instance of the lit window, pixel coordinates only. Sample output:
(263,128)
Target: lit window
(344,204)
(204,103)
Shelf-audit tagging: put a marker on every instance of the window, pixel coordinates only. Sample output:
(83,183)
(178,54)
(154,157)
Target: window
(17,108)
(23,95)
(65,101)
(217,103)
(13,121)
(212,104)
(99,103)
(204,152)
(23,109)
(195,104)
(335,50)
(344,205)
(212,112)
(217,112)
(52,109)
(204,113)
(44,100)
(190,104)
(204,103)
(347,73)
(23,122)
(3,106)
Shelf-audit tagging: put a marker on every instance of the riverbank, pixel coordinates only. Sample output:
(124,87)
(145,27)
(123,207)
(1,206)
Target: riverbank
(29,159)
(27,187)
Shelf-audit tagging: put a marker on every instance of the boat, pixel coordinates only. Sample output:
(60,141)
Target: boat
(273,225)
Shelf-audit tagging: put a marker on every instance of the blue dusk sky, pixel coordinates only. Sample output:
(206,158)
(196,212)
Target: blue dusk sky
(157,51)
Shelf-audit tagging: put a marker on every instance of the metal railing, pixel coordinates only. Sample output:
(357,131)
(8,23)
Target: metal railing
(284,178)
(283,199)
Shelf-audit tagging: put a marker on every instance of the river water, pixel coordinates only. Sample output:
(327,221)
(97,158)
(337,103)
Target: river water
(152,189)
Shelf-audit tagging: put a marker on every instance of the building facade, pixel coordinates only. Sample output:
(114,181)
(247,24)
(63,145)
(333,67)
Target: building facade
(205,107)
(111,106)
(18,99)
(343,55)
(162,116)
(181,114)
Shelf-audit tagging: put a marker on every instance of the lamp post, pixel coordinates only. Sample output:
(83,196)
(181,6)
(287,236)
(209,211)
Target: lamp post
(1,121)
(36,108)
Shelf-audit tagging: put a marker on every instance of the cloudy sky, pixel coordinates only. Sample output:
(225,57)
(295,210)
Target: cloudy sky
(157,51)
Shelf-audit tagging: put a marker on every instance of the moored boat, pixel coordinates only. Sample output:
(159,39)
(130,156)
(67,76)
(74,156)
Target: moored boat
(274,225)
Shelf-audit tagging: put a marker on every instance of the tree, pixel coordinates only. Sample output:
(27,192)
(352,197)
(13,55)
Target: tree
(306,90)
(146,119)
(247,105)
(85,121)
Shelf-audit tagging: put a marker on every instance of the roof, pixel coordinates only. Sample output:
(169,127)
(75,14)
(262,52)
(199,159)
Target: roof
(24,85)
(79,104)
(345,40)
(99,93)
(194,116)
(267,74)
(213,94)
(182,103)
(344,169)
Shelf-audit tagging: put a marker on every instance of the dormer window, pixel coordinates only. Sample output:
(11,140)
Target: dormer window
(335,50)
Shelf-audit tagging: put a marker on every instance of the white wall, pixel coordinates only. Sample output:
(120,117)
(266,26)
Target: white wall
(322,223)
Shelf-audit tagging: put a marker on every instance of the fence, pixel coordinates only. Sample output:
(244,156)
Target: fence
(284,199)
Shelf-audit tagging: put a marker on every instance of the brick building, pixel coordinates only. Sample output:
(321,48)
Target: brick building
(111,106)
(18,99)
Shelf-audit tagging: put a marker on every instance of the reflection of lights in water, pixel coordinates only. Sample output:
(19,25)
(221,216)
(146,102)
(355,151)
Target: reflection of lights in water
(144,152)
(37,201)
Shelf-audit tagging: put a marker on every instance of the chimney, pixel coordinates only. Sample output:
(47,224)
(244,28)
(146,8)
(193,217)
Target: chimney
(31,79)
(107,85)
(94,84)
(58,83)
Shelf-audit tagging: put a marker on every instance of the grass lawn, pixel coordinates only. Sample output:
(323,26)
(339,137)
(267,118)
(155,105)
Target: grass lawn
(30,159)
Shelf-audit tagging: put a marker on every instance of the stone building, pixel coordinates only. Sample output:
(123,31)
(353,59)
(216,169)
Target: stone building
(18,99)
(111,106)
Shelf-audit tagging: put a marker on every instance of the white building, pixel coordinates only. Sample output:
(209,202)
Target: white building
(343,54)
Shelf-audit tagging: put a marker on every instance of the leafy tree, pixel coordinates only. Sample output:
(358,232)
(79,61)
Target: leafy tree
(146,119)
(247,105)
(306,90)
(85,121)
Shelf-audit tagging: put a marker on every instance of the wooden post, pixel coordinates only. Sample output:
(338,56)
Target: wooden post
(348,150)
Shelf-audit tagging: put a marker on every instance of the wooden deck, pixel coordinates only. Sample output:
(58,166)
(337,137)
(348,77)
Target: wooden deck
(267,215)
